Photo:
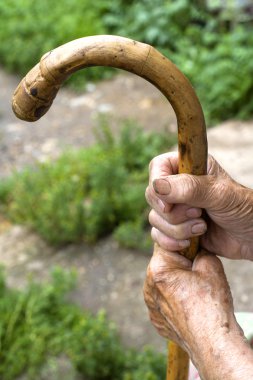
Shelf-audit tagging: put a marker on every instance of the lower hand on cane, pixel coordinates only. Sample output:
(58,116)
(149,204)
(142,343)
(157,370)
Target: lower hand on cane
(191,304)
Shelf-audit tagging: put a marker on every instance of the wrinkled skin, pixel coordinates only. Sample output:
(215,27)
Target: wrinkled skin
(187,284)
(177,200)
(191,303)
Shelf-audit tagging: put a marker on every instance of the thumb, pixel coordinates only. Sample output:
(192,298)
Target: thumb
(206,262)
(164,265)
(209,267)
(197,191)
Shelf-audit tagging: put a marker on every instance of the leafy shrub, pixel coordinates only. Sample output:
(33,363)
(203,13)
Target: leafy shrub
(38,323)
(216,58)
(224,89)
(208,53)
(87,193)
(49,199)
(132,235)
(146,366)
(31,28)
(156,22)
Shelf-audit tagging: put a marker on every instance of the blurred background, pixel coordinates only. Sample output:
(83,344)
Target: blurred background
(74,236)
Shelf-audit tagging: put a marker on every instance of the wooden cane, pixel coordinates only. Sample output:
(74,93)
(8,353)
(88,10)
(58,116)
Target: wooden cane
(36,92)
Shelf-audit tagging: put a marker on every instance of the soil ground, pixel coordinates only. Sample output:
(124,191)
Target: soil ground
(109,277)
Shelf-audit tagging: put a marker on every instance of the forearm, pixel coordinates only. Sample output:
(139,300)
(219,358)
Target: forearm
(229,357)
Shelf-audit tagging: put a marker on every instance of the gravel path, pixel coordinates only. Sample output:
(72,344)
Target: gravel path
(109,277)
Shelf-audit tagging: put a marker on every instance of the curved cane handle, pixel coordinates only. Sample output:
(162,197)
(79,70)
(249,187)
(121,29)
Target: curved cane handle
(36,92)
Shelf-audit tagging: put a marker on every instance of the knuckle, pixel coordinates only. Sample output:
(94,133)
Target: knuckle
(151,198)
(152,163)
(155,269)
(147,194)
(152,217)
(164,241)
(156,162)
(211,164)
(178,232)
(154,235)
(158,271)
(152,268)
(214,168)
(218,193)
(191,188)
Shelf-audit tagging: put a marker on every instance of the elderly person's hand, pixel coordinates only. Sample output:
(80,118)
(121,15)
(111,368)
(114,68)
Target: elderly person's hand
(177,200)
(191,304)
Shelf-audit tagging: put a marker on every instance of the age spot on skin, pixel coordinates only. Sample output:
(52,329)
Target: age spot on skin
(226,327)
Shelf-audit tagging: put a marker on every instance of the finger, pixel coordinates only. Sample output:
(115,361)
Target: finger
(167,164)
(154,201)
(182,231)
(180,213)
(163,165)
(168,243)
(214,170)
(197,191)
(176,214)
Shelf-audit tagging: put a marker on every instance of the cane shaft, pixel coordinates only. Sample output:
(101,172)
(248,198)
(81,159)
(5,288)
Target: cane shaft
(178,363)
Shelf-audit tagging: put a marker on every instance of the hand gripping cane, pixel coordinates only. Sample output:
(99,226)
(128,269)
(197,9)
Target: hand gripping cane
(36,92)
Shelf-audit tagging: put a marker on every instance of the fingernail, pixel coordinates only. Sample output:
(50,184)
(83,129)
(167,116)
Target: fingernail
(198,228)
(193,212)
(161,186)
(161,205)
(184,243)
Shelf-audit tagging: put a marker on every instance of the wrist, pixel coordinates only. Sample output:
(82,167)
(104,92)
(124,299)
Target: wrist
(224,355)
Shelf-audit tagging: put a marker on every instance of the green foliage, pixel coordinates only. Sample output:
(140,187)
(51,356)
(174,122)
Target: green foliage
(222,72)
(217,59)
(207,49)
(38,323)
(208,53)
(146,366)
(49,198)
(88,193)
(157,22)
(133,235)
(31,28)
